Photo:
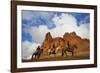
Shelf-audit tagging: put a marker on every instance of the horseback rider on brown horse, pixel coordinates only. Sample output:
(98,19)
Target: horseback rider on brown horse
(52,50)
(70,48)
(37,53)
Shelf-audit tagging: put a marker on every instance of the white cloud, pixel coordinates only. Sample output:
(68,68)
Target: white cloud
(27,49)
(83,31)
(64,23)
(64,19)
(38,33)
(68,23)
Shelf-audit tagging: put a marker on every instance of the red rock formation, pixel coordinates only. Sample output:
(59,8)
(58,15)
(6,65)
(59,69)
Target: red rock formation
(59,42)
(47,42)
(72,38)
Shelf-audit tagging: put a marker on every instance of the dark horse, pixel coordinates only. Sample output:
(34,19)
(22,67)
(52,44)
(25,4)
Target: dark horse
(69,49)
(37,53)
(52,50)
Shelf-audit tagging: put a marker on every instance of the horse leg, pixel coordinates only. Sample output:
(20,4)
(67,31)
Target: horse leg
(62,53)
(35,57)
(72,53)
(54,52)
(38,56)
(66,53)
(49,53)
(32,56)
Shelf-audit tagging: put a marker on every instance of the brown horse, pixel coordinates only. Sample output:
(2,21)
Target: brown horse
(56,45)
(51,50)
(70,48)
(37,53)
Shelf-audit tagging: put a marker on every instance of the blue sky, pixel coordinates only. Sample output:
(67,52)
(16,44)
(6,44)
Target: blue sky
(38,18)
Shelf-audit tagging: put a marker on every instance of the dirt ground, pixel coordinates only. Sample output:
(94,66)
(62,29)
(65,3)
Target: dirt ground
(79,55)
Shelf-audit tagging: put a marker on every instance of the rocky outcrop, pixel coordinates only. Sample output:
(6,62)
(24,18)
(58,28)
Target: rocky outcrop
(60,42)
(47,42)
(72,38)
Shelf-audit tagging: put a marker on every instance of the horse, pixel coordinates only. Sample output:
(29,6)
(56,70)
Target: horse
(37,53)
(52,50)
(69,49)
